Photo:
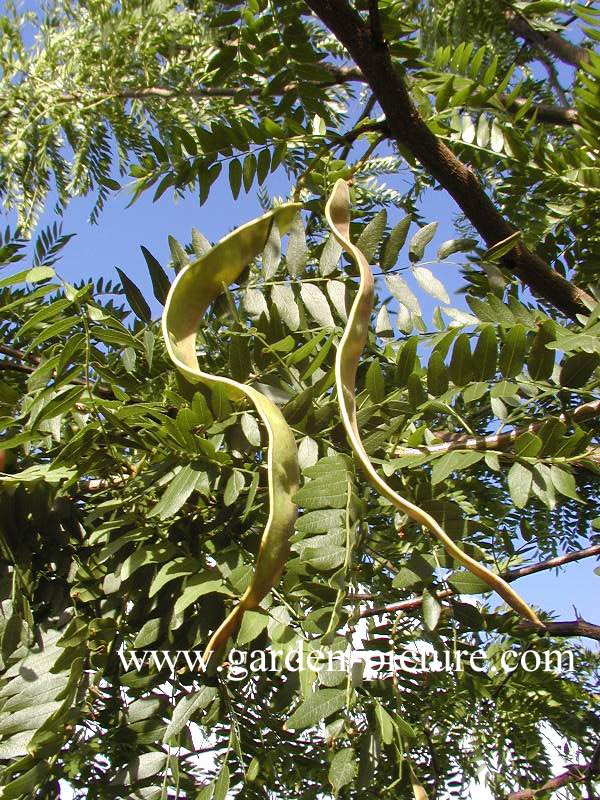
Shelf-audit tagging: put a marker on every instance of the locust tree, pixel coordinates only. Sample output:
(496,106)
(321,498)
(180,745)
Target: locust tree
(132,503)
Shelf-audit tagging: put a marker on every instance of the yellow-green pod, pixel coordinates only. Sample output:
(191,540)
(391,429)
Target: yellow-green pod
(337,212)
(192,291)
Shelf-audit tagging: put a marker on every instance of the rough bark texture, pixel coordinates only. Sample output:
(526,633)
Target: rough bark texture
(573,774)
(498,441)
(550,41)
(410,130)
(576,627)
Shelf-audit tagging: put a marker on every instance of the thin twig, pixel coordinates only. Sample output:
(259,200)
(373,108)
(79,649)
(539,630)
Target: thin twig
(508,575)
(574,773)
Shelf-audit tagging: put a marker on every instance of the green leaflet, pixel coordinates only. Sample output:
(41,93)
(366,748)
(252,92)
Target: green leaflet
(337,212)
(196,286)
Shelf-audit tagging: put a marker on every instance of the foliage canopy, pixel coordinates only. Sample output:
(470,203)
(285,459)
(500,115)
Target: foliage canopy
(132,503)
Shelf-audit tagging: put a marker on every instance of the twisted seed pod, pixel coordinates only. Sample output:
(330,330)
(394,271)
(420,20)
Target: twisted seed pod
(337,212)
(192,291)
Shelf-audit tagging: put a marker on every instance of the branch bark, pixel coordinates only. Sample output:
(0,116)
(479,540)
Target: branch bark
(554,115)
(574,773)
(410,130)
(508,575)
(11,366)
(550,41)
(340,75)
(497,441)
(576,627)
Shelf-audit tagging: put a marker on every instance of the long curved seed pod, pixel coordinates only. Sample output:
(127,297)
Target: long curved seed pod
(337,212)
(192,291)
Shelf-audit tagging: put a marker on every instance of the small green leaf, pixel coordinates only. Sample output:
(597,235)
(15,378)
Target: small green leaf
(179,257)
(249,171)
(466,583)
(485,354)
(343,769)
(427,281)
(564,480)
(222,784)
(135,298)
(250,429)
(576,371)
(200,243)
(512,355)
(528,445)
(452,462)
(503,247)
(271,257)
(369,240)
(233,487)
(38,274)
(394,243)
(297,251)
(540,361)
(375,382)
(519,484)
(406,361)
(284,300)
(308,452)
(317,305)
(432,609)
(444,94)
(262,165)
(420,240)
(385,724)
(452,246)
(461,362)
(437,374)
(398,287)
(319,705)
(253,624)
(178,491)
(240,362)
(185,709)
(160,281)
(330,256)
(235,177)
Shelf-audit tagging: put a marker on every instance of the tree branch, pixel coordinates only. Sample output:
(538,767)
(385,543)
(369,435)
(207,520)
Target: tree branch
(12,366)
(410,130)
(575,773)
(576,627)
(552,42)
(508,575)
(554,115)
(497,441)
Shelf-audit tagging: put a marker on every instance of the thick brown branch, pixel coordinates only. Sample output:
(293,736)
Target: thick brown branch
(551,42)
(14,353)
(508,575)
(498,441)
(574,773)
(12,366)
(576,627)
(410,130)
(554,115)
